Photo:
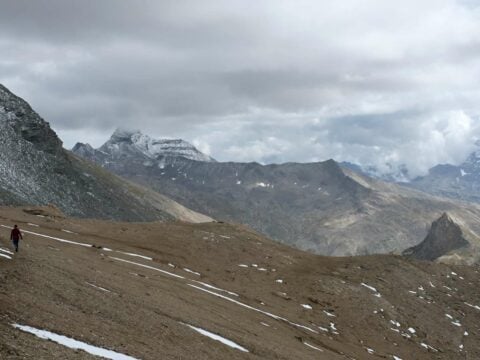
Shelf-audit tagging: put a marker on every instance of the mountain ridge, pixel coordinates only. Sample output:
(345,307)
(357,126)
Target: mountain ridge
(36,170)
(321,207)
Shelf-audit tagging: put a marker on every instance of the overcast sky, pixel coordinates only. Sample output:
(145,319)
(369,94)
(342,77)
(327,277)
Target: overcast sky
(370,81)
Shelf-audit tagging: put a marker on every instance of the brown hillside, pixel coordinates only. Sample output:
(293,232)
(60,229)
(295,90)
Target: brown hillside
(381,307)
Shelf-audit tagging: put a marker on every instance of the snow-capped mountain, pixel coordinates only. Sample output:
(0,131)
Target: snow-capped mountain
(36,170)
(127,140)
(141,149)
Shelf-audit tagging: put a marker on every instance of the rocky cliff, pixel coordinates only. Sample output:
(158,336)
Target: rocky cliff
(35,169)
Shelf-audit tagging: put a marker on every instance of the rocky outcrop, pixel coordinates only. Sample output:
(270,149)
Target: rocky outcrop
(26,124)
(444,237)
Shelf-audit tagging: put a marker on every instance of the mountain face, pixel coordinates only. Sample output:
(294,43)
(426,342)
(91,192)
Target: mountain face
(36,170)
(320,207)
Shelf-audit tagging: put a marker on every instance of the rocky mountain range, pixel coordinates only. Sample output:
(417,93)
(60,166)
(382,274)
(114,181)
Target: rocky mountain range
(320,207)
(36,170)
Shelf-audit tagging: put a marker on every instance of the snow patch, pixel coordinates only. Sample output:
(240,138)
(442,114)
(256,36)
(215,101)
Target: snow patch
(74,344)
(377,294)
(273,316)
(215,288)
(216,337)
(98,287)
(6,251)
(428,347)
(69,232)
(473,306)
(312,347)
(148,267)
(191,271)
(136,255)
(53,238)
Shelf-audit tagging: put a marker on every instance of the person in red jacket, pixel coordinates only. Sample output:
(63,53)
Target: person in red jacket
(15,236)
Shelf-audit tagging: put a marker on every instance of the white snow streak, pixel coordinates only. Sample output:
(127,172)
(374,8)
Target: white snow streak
(215,288)
(473,306)
(276,317)
(52,237)
(135,255)
(69,232)
(216,337)
(312,347)
(98,287)
(148,267)
(6,251)
(191,271)
(377,294)
(74,344)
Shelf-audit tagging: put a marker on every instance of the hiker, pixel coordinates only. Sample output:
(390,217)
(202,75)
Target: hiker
(15,236)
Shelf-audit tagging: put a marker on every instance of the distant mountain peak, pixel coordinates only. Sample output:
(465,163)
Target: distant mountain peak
(133,141)
(125,134)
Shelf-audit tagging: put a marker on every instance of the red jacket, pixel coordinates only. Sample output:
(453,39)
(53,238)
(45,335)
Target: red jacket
(15,234)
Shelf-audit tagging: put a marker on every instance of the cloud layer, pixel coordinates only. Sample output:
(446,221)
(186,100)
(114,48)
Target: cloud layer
(373,82)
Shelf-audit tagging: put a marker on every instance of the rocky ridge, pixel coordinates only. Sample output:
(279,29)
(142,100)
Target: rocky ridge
(35,169)
(320,207)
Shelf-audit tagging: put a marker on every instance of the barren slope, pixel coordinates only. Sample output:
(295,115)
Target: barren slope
(281,303)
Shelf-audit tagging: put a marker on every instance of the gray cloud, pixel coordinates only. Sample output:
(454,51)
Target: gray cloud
(367,81)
